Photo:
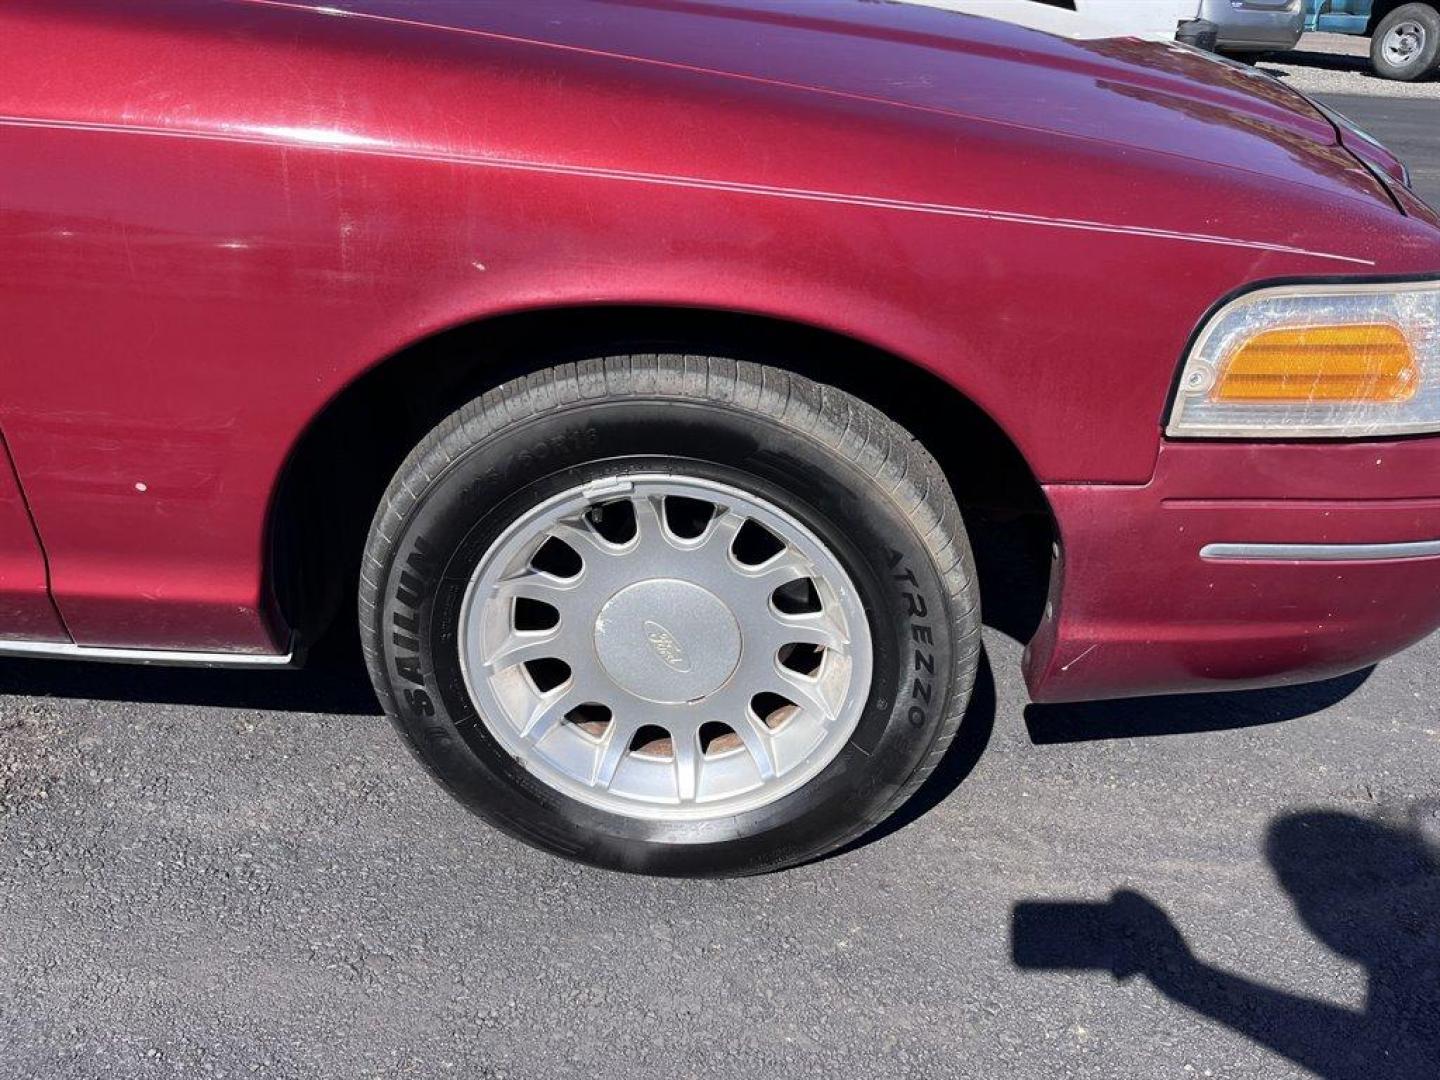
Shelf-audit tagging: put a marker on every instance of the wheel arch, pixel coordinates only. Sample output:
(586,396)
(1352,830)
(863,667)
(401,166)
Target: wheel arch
(1383,8)
(336,471)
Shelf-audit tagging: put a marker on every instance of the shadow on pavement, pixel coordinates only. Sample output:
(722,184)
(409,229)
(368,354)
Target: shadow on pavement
(959,761)
(1325,61)
(1367,889)
(1184,714)
(1131,718)
(333,680)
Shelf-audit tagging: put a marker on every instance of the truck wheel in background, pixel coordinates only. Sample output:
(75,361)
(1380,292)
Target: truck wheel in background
(1406,44)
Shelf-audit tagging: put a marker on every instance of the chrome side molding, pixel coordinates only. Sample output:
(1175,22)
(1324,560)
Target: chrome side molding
(66,650)
(1418,549)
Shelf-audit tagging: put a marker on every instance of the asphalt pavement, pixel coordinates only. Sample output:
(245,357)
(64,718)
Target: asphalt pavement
(235,874)
(1409,127)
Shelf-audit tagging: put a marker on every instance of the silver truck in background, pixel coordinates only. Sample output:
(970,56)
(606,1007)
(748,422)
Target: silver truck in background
(1225,25)
(1238,26)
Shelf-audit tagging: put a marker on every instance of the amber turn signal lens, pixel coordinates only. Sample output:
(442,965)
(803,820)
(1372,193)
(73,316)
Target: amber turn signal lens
(1369,362)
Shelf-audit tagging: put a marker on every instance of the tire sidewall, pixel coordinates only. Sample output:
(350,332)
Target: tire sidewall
(1426,61)
(431,559)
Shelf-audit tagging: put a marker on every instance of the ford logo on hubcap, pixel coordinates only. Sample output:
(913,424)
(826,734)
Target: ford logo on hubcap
(666,647)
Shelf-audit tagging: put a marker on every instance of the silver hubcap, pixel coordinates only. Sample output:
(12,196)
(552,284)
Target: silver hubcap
(666,647)
(1404,42)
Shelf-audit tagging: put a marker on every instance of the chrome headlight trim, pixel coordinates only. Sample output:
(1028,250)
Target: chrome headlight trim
(1411,304)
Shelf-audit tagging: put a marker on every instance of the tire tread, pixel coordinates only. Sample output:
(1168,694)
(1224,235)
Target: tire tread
(846,425)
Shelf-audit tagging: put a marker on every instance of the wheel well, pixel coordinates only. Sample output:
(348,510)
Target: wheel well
(1385,7)
(338,471)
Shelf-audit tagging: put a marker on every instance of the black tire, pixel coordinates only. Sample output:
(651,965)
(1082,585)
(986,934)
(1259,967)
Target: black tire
(855,478)
(1424,60)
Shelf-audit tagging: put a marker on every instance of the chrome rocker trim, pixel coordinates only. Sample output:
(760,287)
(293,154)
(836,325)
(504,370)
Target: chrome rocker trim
(66,650)
(1418,549)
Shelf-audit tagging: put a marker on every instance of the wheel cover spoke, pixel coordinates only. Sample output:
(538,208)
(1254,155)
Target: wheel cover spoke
(819,629)
(611,751)
(668,682)
(685,754)
(545,714)
(533,585)
(525,645)
(759,743)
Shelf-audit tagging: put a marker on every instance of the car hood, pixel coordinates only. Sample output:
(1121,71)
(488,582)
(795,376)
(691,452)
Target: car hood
(1136,95)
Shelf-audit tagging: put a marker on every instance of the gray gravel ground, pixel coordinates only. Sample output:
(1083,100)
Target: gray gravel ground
(233,874)
(1340,64)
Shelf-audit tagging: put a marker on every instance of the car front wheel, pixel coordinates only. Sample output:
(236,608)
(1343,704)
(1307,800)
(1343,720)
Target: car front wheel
(674,615)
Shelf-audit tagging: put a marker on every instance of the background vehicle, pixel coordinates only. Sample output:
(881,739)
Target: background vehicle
(1404,34)
(1237,26)
(644,435)
(1245,26)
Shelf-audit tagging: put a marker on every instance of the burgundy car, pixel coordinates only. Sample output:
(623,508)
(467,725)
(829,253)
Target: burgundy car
(637,364)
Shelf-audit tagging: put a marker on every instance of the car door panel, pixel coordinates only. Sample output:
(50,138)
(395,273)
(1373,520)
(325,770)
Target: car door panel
(25,607)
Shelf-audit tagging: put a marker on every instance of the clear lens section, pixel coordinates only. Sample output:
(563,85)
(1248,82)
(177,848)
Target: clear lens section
(1357,361)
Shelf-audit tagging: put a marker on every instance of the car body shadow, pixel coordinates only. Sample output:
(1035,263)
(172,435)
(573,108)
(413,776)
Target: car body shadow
(1367,889)
(1325,61)
(1124,719)
(959,761)
(1185,714)
(1358,65)
(333,680)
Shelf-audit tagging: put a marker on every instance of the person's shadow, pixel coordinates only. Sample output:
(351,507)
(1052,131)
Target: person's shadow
(1369,891)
